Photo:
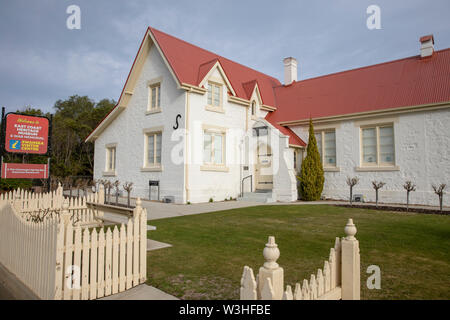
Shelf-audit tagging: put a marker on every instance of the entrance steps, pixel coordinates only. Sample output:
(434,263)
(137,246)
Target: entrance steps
(264,196)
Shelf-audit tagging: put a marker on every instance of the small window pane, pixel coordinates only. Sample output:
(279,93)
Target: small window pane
(154,98)
(369,141)
(330,148)
(111,158)
(218,149)
(387,144)
(319,143)
(210,94)
(158,147)
(253,108)
(151,149)
(207,148)
(159,96)
(295,159)
(216,95)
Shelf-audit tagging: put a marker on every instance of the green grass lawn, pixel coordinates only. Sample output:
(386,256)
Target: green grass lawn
(210,250)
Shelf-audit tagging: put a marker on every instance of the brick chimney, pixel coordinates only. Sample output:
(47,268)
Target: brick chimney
(290,70)
(426,46)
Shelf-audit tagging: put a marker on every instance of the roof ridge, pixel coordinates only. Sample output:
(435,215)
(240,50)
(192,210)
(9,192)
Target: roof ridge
(222,57)
(356,69)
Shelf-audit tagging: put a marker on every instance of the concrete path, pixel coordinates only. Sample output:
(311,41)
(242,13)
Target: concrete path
(141,292)
(155,245)
(159,210)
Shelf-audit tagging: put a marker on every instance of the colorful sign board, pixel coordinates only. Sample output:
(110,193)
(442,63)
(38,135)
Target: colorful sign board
(26,134)
(24,171)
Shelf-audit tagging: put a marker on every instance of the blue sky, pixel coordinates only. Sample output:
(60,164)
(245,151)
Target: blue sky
(42,61)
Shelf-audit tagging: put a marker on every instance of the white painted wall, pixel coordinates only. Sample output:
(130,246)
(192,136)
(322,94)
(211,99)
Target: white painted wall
(422,151)
(127,132)
(204,185)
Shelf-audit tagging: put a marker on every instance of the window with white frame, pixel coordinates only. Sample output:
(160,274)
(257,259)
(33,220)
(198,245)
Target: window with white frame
(213,148)
(214,94)
(326,144)
(377,145)
(153,149)
(110,158)
(154,97)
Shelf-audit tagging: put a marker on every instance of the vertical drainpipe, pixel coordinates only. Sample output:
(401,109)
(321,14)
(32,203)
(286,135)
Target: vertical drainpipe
(186,145)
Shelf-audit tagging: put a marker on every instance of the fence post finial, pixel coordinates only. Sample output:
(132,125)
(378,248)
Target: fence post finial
(271,271)
(271,253)
(350,261)
(350,230)
(65,214)
(138,208)
(138,203)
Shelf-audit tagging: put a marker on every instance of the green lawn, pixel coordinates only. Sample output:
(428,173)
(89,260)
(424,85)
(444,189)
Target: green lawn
(210,250)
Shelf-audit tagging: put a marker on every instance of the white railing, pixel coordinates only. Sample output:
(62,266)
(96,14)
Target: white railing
(339,278)
(58,259)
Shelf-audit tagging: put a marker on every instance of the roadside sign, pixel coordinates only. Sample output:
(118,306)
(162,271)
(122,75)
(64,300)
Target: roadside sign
(26,134)
(24,171)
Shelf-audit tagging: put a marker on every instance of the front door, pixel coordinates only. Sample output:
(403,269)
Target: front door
(263,167)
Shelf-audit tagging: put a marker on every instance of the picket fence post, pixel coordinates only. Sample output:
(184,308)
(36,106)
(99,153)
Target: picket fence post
(60,248)
(100,200)
(350,264)
(271,274)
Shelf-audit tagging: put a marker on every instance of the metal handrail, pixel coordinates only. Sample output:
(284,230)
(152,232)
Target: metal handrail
(242,184)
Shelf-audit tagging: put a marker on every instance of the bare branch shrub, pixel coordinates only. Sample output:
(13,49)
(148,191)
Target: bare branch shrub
(351,182)
(409,186)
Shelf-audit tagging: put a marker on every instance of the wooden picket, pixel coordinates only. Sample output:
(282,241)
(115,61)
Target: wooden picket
(58,259)
(325,284)
(27,203)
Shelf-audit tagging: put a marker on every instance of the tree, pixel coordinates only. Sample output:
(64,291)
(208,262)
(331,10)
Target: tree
(440,192)
(73,120)
(108,186)
(128,186)
(311,175)
(116,184)
(377,185)
(351,182)
(408,186)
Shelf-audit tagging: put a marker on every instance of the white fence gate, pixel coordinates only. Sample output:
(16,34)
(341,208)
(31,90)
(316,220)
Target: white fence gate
(339,278)
(59,258)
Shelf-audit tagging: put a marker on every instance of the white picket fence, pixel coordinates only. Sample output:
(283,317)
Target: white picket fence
(27,204)
(339,278)
(60,259)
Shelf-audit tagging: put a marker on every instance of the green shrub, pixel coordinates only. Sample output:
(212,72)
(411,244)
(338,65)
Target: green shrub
(211,200)
(12,184)
(311,176)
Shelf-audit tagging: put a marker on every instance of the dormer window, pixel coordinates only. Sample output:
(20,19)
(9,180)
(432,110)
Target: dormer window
(214,95)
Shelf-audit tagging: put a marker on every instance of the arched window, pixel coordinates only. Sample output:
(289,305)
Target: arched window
(253,108)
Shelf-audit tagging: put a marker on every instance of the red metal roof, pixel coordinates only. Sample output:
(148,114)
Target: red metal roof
(406,82)
(189,62)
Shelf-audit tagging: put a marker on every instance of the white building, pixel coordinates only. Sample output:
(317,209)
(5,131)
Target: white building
(204,127)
